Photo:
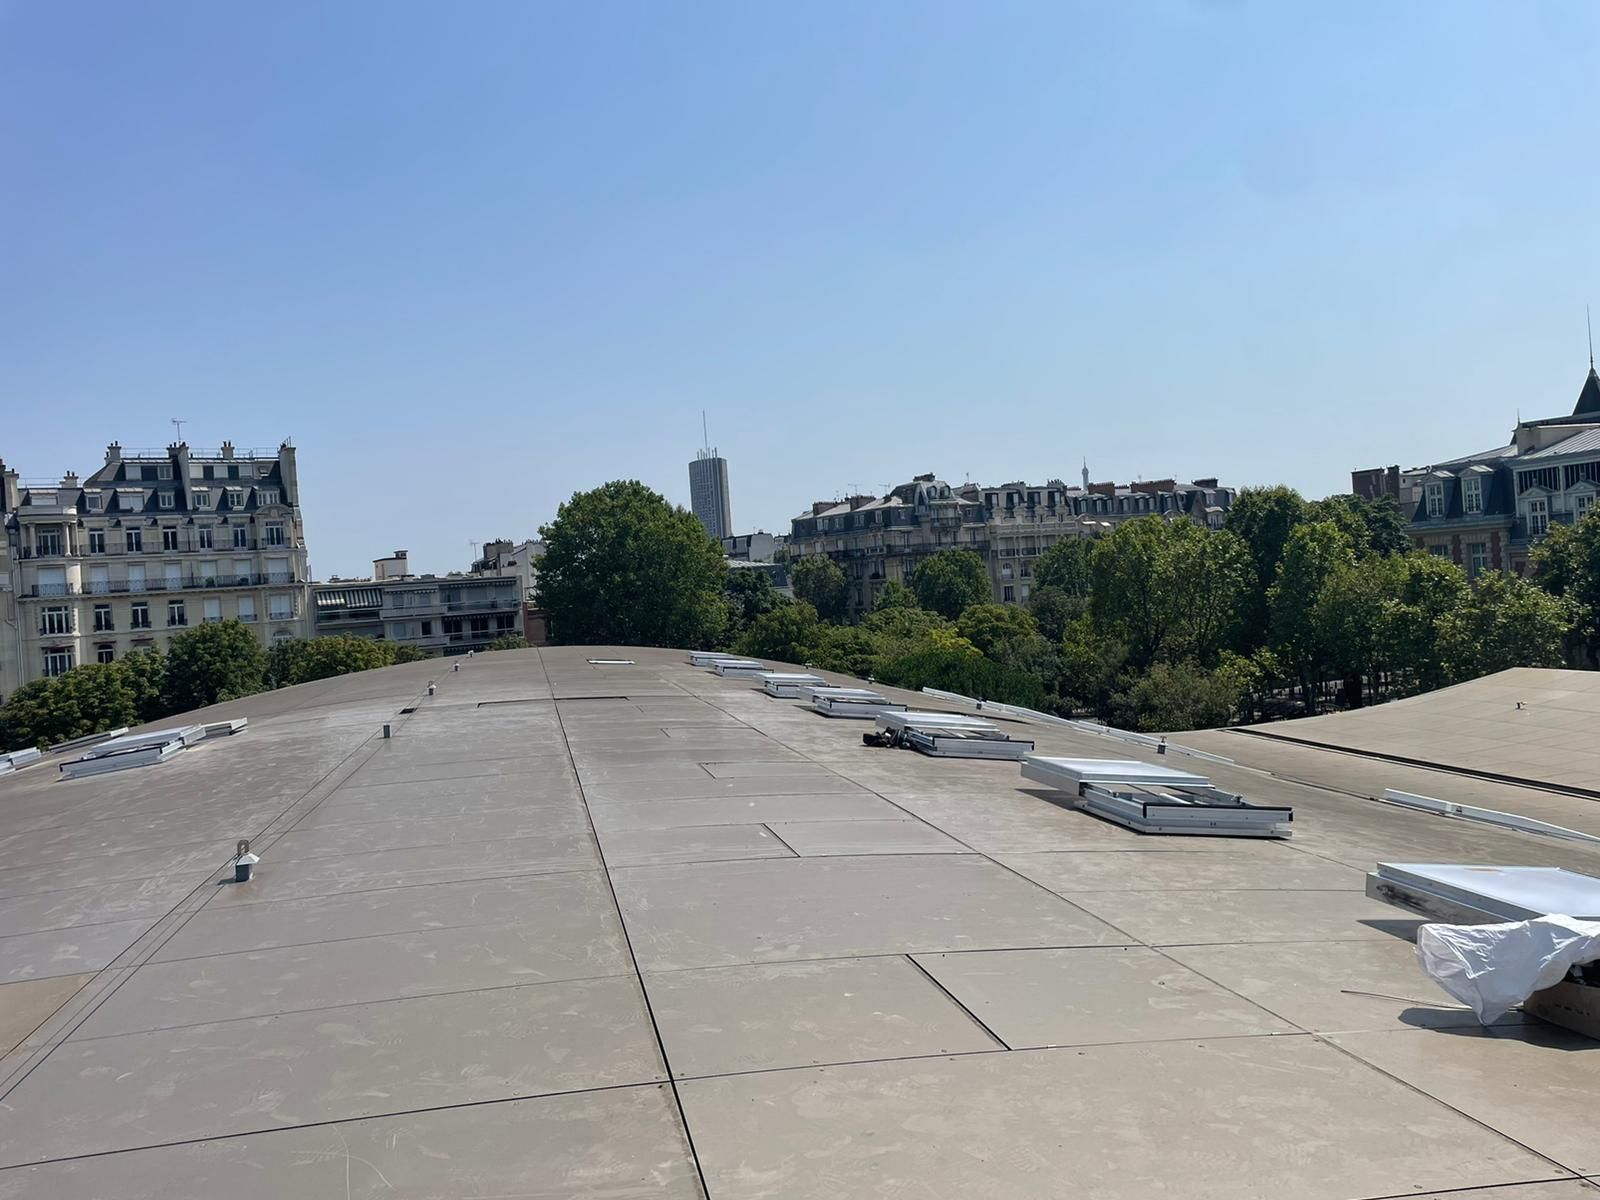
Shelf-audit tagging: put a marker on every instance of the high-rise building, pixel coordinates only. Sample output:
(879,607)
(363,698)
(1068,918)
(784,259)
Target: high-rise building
(708,492)
(151,544)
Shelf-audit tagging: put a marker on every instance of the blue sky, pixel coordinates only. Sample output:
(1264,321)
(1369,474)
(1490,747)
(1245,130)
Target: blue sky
(474,257)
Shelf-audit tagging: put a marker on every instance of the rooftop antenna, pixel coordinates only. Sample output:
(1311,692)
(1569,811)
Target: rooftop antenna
(1590,323)
(705,435)
(178,423)
(474,544)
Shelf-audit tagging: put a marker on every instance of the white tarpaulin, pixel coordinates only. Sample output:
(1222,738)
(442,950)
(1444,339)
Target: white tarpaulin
(1494,968)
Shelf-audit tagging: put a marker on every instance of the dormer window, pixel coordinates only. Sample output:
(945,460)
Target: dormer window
(1472,494)
(263,470)
(268,495)
(1435,495)
(165,499)
(164,471)
(93,501)
(202,497)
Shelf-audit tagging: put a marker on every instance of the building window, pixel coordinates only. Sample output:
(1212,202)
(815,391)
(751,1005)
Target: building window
(1435,494)
(268,496)
(165,499)
(169,539)
(175,613)
(132,473)
(280,607)
(1439,551)
(1472,494)
(1024,593)
(1005,568)
(56,621)
(204,536)
(1582,505)
(235,497)
(241,538)
(263,470)
(202,497)
(105,652)
(140,616)
(427,629)
(102,619)
(135,539)
(97,541)
(1008,594)
(275,534)
(233,470)
(57,662)
(93,501)
(247,609)
(47,543)
(1477,558)
(164,471)
(213,608)
(1538,517)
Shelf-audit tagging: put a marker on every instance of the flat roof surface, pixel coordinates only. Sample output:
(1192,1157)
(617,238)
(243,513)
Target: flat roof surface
(1528,723)
(582,930)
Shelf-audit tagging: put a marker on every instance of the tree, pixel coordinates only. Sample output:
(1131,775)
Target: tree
(1313,555)
(1065,565)
(1054,609)
(950,581)
(821,583)
(1505,622)
(1002,632)
(791,634)
(84,700)
(749,593)
(1373,526)
(1169,698)
(1168,590)
(1431,586)
(508,641)
(894,595)
(965,671)
(404,653)
(303,660)
(1263,517)
(144,674)
(624,567)
(214,662)
(1566,563)
(1357,611)
(1091,663)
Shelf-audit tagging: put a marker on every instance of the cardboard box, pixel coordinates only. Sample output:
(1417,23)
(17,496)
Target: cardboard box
(1572,1006)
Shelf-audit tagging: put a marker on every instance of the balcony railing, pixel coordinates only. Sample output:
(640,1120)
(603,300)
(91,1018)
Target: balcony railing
(114,587)
(480,605)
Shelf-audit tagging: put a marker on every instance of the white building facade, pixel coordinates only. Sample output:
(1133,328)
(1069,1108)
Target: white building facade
(152,544)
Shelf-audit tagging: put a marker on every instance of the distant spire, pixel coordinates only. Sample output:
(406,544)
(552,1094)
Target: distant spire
(1590,323)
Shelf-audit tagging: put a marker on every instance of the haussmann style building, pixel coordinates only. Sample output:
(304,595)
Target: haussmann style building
(879,539)
(151,544)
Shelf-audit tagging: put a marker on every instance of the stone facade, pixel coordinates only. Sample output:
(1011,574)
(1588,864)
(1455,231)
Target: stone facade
(152,543)
(879,539)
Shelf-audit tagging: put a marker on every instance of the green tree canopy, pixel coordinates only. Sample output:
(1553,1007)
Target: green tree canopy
(1053,610)
(1566,563)
(749,593)
(1169,590)
(1313,555)
(509,641)
(1263,517)
(1505,622)
(999,631)
(1065,565)
(84,700)
(1170,698)
(218,661)
(302,660)
(144,674)
(790,633)
(1373,526)
(821,583)
(894,595)
(950,581)
(405,653)
(624,567)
